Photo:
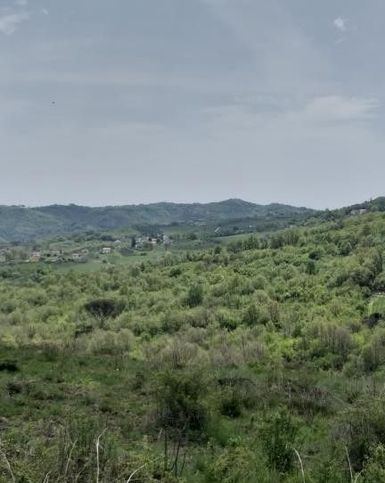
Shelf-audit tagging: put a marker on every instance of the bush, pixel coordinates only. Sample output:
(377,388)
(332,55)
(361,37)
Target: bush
(278,434)
(227,321)
(374,467)
(179,404)
(231,405)
(237,463)
(104,308)
(194,295)
(373,354)
(255,315)
(364,429)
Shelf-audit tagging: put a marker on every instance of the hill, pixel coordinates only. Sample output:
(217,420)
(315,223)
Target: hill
(262,360)
(23,224)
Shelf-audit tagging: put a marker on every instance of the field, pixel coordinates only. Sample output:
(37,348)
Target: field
(260,359)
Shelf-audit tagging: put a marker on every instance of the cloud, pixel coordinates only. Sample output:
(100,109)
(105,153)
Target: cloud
(318,112)
(339,108)
(21,3)
(340,24)
(44,11)
(10,21)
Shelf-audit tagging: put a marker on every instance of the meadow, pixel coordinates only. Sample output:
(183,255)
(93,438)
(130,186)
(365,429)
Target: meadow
(258,360)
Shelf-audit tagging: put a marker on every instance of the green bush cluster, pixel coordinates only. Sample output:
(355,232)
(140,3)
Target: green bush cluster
(260,360)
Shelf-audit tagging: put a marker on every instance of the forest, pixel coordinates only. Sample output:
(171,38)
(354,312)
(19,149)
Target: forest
(21,223)
(258,360)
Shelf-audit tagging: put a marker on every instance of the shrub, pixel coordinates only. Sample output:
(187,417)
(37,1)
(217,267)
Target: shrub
(227,321)
(363,427)
(179,404)
(374,467)
(231,404)
(373,354)
(104,308)
(178,355)
(194,295)
(278,434)
(9,366)
(255,315)
(237,463)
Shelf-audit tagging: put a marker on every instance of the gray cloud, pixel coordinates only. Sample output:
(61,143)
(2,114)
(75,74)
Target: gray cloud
(340,24)
(141,101)
(10,21)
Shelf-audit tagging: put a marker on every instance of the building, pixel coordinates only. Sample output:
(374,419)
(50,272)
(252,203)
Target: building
(361,211)
(106,251)
(35,256)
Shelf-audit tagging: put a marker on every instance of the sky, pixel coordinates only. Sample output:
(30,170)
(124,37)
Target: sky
(139,101)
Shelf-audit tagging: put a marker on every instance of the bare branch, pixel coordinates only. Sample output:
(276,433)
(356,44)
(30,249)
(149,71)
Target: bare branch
(69,457)
(350,465)
(8,464)
(140,467)
(134,472)
(97,455)
(301,465)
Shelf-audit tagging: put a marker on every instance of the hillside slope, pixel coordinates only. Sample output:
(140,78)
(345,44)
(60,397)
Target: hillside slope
(221,365)
(20,224)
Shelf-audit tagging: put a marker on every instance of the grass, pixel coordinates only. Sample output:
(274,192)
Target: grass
(106,261)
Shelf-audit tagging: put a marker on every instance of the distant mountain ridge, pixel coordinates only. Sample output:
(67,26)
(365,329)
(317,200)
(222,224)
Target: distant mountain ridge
(19,223)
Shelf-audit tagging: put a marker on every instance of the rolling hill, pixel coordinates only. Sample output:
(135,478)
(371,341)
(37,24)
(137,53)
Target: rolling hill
(18,223)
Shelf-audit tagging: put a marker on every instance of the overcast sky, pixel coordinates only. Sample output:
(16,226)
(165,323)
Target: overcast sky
(136,101)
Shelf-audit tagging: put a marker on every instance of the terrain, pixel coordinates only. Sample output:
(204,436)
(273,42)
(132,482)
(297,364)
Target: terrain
(260,357)
(18,223)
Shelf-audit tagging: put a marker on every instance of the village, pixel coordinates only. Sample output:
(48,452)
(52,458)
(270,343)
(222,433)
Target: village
(81,251)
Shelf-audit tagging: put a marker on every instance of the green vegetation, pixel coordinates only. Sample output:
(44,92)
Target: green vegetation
(23,224)
(258,360)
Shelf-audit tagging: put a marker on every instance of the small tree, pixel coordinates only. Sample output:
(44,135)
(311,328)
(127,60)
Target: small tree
(104,308)
(179,405)
(194,295)
(278,434)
